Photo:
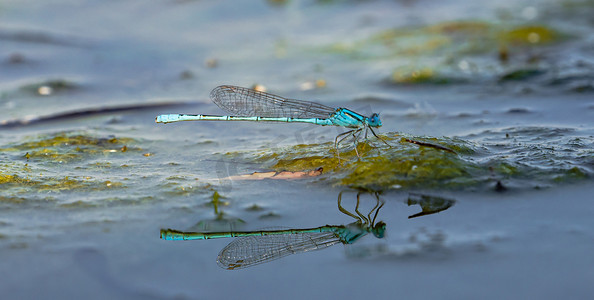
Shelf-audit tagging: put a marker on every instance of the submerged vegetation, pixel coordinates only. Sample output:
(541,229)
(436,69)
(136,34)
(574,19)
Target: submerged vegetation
(471,51)
(405,165)
(454,39)
(66,147)
(48,164)
(517,157)
(81,170)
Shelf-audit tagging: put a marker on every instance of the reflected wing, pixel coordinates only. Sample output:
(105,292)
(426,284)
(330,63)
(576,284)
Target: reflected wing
(252,250)
(246,102)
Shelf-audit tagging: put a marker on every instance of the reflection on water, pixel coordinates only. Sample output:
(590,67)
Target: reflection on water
(256,247)
(429,204)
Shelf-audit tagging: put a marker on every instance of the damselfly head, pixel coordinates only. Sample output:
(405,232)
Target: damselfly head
(374,120)
(379,229)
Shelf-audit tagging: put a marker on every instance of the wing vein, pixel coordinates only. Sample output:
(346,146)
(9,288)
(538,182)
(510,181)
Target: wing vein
(246,102)
(252,250)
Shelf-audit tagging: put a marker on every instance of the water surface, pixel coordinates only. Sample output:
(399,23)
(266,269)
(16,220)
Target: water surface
(88,180)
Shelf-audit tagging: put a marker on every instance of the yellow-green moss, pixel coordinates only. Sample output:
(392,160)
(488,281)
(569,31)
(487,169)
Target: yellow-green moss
(64,147)
(405,165)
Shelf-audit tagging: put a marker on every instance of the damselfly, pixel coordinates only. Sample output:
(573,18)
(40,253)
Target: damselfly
(251,105)
(256,247)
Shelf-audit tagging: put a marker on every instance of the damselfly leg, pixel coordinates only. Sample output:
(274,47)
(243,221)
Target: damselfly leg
(359,216)
(355,134)
(346,212)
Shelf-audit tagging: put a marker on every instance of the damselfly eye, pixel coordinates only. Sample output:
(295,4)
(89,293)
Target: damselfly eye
(374,120)
(379,230)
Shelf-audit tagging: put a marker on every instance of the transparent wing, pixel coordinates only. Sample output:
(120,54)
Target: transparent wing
(246,102)
(252,250)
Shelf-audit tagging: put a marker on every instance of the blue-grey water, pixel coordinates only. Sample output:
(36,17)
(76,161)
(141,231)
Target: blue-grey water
(88,179)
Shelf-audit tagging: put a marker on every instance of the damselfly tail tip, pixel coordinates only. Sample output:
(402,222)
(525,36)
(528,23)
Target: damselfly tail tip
(166,234)
(162,119)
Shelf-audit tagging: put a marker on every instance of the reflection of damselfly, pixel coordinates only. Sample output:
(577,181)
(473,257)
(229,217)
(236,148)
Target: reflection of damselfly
(251,105)
(256,247)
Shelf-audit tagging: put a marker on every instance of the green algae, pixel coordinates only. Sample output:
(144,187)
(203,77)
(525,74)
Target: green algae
(453,38)
(108,202)
(27,173)
(12,199)
(380,167)
(522,74)
(78,204)
(425,164)
(529,35)
(14,179)
(572,174)
(49,87)
(216,203)
(254,208)
(64,147)
(423,75)
(41,183)
(221,220)
(269,215)
(455,52)
(183,186)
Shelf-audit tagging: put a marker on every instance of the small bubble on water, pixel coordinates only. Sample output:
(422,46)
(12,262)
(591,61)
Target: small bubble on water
(44,90)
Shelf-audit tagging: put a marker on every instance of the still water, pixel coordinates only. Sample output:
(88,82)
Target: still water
(482,190)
